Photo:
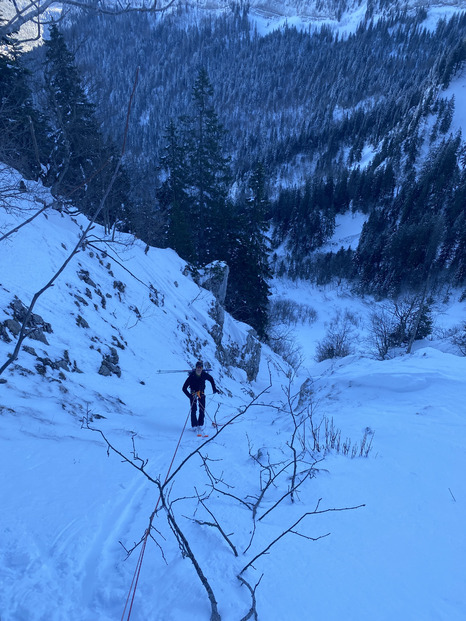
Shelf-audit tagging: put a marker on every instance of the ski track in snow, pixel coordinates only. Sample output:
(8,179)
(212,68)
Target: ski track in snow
(66,504)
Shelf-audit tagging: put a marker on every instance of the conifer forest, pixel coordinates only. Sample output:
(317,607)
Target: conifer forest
(245,147)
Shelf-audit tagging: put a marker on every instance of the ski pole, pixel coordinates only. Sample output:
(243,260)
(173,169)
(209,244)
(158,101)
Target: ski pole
(159,371)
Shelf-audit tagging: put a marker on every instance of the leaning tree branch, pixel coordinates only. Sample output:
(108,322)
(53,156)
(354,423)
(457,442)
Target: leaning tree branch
(115,260)
(17,228)
(76,249)
(35,10)
(124,458)
(184,544)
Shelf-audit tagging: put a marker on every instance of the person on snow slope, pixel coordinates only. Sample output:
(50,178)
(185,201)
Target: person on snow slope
(194,389)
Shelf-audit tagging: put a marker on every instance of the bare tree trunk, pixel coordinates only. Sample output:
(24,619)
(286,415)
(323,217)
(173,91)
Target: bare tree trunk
(214,616)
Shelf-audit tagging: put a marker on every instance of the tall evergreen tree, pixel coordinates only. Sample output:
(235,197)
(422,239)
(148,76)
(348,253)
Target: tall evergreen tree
(203,223)
(23,130)
(76,133)
(210,172)
(82,163)
(174,196)
(195,190)
(248,289)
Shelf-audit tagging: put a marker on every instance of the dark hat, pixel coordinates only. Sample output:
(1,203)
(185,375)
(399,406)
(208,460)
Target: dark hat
(199,364)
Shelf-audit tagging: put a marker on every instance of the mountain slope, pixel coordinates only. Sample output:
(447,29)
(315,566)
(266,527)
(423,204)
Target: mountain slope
(67,503)
(356,123)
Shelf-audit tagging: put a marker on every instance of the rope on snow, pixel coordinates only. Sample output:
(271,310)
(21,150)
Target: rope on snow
(137,571)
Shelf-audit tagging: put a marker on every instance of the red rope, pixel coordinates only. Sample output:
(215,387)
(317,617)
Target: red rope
(137,571)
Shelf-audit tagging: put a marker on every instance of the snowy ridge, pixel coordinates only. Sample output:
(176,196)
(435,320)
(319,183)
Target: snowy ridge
(342,16)
(67,505)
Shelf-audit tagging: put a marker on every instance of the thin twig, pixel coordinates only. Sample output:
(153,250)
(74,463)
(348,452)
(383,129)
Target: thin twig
(216,524)
(291,529)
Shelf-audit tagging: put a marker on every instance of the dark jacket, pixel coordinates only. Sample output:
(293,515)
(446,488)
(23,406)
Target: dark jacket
(196,383)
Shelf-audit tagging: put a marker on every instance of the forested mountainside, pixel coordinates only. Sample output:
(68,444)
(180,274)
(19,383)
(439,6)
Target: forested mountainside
(341,13)
(309,104)
(239,139)
(278,96)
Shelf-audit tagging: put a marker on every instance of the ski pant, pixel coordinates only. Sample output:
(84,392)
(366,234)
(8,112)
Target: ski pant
(194,398)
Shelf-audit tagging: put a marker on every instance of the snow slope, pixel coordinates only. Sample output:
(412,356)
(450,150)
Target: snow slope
(69,505)
(271,15)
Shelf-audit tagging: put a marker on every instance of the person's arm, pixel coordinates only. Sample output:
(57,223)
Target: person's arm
(185,387)
(211,380)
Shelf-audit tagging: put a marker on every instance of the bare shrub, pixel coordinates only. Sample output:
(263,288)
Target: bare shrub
(399,322)
(282,341)
(318,438)
(381,329)
(291,312)
(326,439)
(459,339)
(340,335)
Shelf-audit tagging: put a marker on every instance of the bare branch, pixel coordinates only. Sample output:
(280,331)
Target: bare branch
(214,480)
(291,530)
(215,524)
(240,500)
(289,493)
(34,11)
(143,538)
(253,610)
(76,249)
(125,459)
(186,550)
(144,462)
(17,228)
(115,260)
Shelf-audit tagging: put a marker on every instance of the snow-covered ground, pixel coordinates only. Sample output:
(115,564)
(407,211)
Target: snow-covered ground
(457,89)
(69,507)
